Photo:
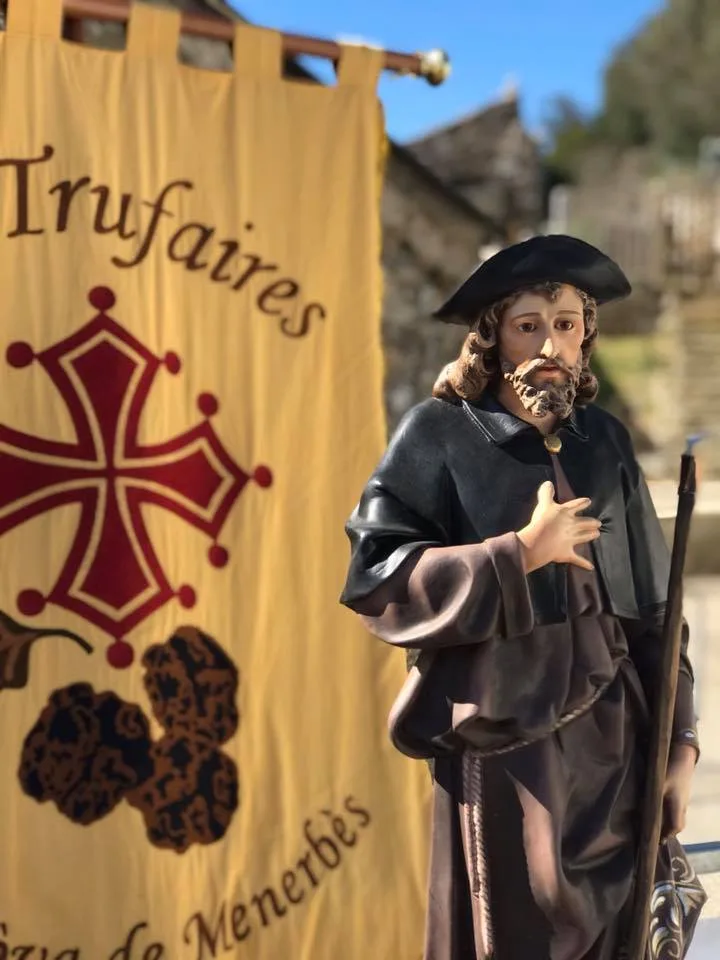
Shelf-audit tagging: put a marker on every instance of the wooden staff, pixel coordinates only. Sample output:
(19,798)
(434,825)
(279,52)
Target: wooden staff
(663,713)
(433,66)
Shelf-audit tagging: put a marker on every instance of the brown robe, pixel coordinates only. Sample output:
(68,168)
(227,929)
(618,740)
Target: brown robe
(534,838)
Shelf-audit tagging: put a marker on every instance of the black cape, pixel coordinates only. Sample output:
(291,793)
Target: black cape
(458,474)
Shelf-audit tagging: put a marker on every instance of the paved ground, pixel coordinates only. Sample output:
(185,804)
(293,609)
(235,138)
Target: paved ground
(706,944)
(702,609)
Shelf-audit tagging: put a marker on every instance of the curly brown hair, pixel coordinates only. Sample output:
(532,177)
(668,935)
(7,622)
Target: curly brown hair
(478,364)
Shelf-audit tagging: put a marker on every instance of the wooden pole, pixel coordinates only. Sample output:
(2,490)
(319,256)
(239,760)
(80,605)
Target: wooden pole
(664,709)
(434,66)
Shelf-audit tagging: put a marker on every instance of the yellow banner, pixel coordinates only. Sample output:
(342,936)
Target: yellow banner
(193,758)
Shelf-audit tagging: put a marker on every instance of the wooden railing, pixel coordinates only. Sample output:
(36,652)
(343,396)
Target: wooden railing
(664,232)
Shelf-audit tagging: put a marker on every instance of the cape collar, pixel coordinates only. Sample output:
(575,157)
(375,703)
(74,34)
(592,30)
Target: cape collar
(500,426)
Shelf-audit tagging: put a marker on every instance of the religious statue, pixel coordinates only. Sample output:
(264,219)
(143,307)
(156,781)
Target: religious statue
(508,540)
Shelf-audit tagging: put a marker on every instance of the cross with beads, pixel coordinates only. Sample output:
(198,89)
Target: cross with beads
(112,576)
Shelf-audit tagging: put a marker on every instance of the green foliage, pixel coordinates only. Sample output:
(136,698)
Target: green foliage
(661,91)
(662,87)
(570,132)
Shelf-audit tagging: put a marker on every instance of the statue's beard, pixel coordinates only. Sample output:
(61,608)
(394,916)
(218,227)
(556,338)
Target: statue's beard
(553,396)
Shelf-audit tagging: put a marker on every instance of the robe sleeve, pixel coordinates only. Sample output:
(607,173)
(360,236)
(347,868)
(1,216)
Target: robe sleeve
(405,506)
(650,559)
(452,596)
(414,587)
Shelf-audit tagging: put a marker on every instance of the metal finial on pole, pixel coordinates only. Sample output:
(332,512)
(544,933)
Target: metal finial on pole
(435,67)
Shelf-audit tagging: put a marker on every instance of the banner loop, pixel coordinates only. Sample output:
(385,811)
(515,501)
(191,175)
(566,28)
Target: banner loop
(39,18)
(153,32)
(360,66)
(257,52)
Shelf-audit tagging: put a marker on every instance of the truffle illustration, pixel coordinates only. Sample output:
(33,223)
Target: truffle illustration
(85,752)
(88,751)
(190,797)
(192,685)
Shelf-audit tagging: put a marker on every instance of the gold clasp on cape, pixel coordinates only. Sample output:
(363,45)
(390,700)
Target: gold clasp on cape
(553,443)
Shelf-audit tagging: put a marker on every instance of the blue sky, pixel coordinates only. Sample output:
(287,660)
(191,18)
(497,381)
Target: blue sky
(549,47)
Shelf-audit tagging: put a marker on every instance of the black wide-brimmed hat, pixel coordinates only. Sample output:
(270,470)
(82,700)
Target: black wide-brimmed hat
(554,258)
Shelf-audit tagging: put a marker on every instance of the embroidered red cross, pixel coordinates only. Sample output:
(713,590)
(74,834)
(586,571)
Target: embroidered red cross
(112,575)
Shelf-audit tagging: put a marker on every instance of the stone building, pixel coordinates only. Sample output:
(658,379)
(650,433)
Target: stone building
(491,160)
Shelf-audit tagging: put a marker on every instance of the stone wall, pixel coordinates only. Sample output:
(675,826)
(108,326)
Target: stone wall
(415,347)
(427,252)
(692,330)
(668,377)
(512,192)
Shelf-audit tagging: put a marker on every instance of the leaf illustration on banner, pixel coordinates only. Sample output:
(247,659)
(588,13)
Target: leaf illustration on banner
(15,642)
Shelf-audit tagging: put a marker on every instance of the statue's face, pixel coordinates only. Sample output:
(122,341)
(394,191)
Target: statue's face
(539,344)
